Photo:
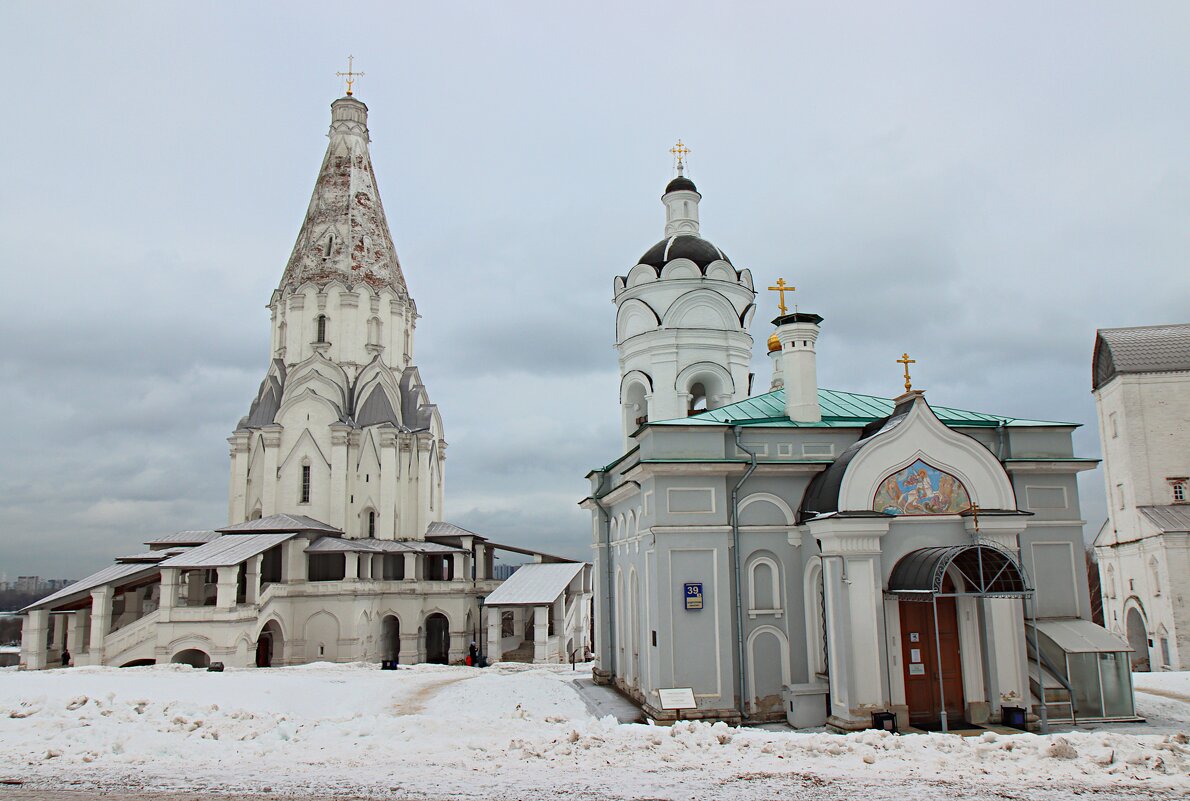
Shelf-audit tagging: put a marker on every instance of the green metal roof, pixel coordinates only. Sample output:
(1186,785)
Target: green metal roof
(839,410)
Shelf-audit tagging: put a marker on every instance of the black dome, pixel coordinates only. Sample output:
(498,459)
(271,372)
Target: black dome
(686,246)
(680,183)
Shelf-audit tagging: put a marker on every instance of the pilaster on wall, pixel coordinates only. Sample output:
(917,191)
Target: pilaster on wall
(665,404)
(236,495)
(406,489)
(390,477)
(340,441)
(424,480)
(271,438)
(852,582)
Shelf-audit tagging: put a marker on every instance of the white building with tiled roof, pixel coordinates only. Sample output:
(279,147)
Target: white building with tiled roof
(1141,382)
(335,548)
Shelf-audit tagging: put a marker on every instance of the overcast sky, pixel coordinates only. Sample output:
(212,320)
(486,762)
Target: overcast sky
(980,184)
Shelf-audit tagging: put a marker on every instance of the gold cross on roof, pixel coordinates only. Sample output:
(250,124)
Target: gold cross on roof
(905,360)
(350,75)
(781,288)
(680,151)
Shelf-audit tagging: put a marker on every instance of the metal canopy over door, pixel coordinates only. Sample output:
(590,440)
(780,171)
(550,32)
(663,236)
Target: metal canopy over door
(931,628)
(932,662)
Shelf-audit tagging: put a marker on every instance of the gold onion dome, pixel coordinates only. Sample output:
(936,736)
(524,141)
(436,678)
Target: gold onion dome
(774,343)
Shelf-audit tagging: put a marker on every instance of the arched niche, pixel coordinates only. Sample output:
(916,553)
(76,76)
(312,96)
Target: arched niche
(702,308)
(635,317)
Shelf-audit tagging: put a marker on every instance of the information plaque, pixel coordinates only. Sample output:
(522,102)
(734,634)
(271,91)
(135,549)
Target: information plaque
(677,698)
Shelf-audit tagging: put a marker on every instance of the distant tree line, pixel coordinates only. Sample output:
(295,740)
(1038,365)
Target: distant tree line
(12,600)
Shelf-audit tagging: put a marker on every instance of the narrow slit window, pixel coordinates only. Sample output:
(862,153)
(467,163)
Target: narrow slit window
(305,483)
(371,524)
(330,242)
(321,328)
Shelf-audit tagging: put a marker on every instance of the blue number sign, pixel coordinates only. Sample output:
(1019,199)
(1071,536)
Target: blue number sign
(694,595)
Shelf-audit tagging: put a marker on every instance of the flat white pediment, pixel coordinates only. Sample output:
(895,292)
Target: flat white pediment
(920,435)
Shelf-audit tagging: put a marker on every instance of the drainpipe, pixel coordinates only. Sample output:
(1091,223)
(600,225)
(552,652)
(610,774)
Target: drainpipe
(611,598)
(737,564)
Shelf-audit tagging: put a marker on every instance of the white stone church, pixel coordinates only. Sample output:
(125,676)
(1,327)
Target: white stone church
(335,548)
(823,556)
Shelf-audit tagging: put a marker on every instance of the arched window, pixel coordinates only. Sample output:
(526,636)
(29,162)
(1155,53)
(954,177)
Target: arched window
(281,331)
(1155,573)
(1110,574)
(371,523)
(374,331)
(305,488)
(321,324)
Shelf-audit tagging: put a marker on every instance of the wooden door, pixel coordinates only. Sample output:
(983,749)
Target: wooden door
(920,659)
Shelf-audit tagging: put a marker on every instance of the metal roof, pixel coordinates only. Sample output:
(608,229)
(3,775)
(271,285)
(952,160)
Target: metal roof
(1168,518)
(984,569)
(1143,349)
(226,551)
(342,545)
(839,410)
(151,556)
(534,584)
(184,538)
(279,523)
(442,529)
(1078,636)
(109,575)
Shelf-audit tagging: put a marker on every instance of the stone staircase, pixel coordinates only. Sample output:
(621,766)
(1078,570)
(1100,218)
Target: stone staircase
(522,653)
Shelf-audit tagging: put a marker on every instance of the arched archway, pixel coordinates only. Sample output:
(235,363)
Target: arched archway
(438,639)
(390,638)
(1138,638)
(192,657)
(269,645)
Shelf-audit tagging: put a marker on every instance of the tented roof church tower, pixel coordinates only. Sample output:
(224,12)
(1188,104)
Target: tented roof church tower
(342,428)
(335,548)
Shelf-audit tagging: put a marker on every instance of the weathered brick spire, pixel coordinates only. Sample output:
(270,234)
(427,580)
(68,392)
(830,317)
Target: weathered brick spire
(345,235)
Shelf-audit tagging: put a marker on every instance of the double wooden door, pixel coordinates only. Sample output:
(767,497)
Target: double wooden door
(920,653)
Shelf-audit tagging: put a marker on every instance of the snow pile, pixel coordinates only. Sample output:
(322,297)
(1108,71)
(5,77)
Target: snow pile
(505,732)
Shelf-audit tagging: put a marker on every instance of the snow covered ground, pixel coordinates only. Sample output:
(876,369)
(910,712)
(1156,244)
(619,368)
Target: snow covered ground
(518,732)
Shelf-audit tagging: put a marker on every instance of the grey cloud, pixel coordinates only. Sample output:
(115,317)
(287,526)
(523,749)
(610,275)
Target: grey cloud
(937,178)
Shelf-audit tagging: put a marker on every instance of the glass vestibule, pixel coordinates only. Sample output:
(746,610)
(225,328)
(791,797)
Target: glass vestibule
(1092,663)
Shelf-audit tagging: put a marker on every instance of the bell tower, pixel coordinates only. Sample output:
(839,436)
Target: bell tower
(682,317)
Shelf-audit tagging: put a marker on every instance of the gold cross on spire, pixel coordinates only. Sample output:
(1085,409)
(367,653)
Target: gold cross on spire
(350,75)
(781,288)
(905,360)
(680,151)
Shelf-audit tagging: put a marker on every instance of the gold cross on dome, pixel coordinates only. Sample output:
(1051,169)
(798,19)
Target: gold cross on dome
(350,75)
(680,151)
(905,360)
(781,288)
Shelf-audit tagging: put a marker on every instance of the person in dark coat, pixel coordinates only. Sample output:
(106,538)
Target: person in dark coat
(65,658)
(473,655)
